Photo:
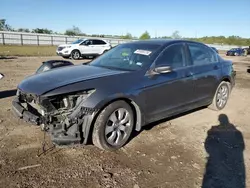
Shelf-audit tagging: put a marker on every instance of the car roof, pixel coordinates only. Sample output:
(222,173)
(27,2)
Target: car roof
(162,42)
(95,39)
(91,38)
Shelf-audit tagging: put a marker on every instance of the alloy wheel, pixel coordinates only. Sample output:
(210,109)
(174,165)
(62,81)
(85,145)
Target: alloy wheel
(118,126)
(76,55)
(222,96)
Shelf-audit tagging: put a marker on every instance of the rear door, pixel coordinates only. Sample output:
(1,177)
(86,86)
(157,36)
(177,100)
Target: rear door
(99,46)
(206,71)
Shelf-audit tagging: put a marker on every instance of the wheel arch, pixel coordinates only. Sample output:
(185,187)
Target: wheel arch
(135,107)
(139,117)
(225,79)
(75,49)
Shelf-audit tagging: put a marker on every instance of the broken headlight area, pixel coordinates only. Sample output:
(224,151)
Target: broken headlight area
(63,116)
(62,106)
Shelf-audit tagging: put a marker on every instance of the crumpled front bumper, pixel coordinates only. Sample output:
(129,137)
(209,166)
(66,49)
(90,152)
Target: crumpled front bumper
(24,114)
(76,133)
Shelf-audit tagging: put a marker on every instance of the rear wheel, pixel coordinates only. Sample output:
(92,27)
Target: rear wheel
(75,54)
(113,126)
(221,96)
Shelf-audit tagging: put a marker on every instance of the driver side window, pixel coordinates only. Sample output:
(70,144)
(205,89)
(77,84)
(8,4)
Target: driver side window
(87,42)
(172,56)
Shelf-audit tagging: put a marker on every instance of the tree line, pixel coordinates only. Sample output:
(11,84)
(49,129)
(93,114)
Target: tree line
(75,31)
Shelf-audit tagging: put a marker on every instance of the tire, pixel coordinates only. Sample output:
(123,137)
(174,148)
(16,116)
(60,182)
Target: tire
(107,129)
(219,102)
(75,54)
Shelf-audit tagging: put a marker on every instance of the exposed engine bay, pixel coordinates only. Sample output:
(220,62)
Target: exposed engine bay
(62,116)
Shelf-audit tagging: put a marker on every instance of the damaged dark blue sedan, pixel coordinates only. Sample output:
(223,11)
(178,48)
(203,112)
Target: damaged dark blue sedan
(130,86)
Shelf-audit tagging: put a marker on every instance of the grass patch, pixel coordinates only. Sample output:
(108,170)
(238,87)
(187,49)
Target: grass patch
(15,50)
(26,50)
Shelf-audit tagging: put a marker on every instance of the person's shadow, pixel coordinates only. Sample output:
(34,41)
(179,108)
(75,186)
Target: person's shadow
(225,166)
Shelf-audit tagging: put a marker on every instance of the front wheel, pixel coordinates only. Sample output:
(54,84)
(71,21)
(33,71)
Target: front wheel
(113,126)
(221,96)
(75,54)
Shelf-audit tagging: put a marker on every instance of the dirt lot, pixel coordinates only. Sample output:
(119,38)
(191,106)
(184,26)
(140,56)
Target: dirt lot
(183,151)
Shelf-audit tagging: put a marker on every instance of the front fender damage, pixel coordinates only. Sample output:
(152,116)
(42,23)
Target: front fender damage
(64,118)
(74,129)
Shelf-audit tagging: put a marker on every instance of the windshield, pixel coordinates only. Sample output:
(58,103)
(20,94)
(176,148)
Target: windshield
(130,57)
(77,41)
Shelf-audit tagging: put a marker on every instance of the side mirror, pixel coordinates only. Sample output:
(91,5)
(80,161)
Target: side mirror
(162,69)
(1,76)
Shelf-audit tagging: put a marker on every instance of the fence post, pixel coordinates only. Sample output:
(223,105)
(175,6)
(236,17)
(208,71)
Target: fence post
(3,39)
(52,40)
(22,39)
(37,40)
(66,40)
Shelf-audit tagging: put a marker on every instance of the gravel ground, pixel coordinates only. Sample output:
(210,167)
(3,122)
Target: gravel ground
(193,150)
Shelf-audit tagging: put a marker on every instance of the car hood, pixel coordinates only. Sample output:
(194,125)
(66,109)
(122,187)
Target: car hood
(43,82)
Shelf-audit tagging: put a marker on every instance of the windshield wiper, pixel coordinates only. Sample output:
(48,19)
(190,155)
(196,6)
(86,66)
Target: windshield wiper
(111,68)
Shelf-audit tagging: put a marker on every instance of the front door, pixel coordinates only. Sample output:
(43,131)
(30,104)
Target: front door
(171,92)
(86,47)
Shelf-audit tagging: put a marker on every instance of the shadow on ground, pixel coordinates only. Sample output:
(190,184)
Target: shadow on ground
(225,165)
(248,70)
(7,93)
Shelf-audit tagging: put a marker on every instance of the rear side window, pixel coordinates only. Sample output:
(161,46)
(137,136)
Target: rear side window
(201,54)
(99,42)
(173,56)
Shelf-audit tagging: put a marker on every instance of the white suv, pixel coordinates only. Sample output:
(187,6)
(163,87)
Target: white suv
(83,48)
